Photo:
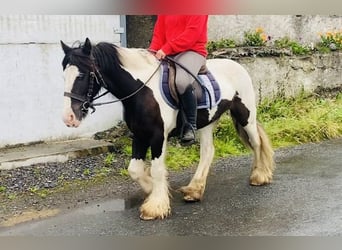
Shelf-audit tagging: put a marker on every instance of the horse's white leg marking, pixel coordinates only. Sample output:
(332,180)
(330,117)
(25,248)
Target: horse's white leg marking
(136,170)
(263,164)
(157,204)
(195,189)
(70,74)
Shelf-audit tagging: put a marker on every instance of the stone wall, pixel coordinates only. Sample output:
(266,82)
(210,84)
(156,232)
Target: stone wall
(289,75)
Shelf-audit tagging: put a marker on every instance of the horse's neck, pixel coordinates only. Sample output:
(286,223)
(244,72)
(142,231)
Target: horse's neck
(137,66)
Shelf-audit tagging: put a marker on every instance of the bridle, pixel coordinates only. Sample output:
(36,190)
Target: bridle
(87,101)
(96,78)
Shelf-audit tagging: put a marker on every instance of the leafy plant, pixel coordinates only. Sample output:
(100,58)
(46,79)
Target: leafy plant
(330,41)
(123,172)
(109,160)
(220,44)
(296,47)
(255,38)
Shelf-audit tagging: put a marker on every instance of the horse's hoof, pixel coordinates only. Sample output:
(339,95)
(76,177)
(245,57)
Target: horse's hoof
(152,211)
(188,198)
(190,194)
(147,217)
(258,179)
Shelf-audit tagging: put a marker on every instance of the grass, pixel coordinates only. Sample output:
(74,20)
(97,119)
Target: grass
(302,119)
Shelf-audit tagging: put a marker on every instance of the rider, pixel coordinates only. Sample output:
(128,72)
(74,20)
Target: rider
(184,39)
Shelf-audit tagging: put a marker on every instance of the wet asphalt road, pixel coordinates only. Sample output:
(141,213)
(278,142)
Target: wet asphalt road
(304,199)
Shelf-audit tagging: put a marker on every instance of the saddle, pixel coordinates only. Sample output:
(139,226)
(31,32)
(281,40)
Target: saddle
(206,88)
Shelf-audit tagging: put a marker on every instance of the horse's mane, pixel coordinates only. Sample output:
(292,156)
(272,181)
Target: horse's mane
(109,57)
(106,56)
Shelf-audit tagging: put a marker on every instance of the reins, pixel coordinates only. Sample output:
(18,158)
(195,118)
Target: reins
(128,96)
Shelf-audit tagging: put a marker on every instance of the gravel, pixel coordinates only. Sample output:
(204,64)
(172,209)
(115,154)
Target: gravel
(62,185)
(48,175)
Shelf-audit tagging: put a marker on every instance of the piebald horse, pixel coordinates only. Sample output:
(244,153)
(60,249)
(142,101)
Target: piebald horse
(133,76)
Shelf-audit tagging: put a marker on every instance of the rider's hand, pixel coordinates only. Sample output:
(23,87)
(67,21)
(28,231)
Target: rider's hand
(160,54)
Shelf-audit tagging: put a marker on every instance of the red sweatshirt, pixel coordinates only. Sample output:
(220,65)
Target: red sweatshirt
(175,34)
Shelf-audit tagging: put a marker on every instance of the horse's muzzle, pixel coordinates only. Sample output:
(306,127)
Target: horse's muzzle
(70,120)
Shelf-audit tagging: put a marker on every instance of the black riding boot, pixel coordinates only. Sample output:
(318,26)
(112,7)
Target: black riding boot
(188,105)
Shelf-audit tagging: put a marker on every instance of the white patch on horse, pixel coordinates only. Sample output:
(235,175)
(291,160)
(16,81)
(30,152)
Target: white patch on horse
(212,113)
(70,74)
(138,62)
(138,173)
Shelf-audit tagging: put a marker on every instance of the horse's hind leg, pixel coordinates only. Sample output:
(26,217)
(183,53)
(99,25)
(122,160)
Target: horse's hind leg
(195,189)
(254,136)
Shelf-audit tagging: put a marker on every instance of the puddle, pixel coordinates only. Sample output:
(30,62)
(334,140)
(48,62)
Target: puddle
(115,205)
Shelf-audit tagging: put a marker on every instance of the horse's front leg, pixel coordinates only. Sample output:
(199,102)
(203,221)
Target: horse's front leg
(157,204)
(136,168)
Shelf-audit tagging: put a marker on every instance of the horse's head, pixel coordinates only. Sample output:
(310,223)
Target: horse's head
(80,82)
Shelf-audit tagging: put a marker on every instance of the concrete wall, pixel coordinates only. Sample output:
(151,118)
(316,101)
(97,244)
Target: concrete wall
(304,29)
(31,77)
(289,75)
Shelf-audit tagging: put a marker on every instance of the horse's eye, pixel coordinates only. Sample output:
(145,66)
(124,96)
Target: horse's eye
(80,76)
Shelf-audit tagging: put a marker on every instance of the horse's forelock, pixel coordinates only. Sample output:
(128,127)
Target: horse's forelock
(76,57)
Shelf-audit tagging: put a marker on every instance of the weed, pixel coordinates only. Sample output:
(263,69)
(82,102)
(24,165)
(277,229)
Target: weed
(296,47)
(220,44)
(3,189)
(12,197)
(330,41)
(33,189)
(255,38)
(123,172)
(103,172)
(109,159)
(86,172)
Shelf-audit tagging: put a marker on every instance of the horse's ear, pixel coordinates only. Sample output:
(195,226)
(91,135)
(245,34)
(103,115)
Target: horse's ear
(65,47)
(87,47)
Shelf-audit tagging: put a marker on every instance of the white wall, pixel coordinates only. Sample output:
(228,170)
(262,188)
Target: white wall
(31,77)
